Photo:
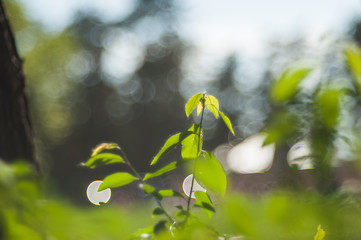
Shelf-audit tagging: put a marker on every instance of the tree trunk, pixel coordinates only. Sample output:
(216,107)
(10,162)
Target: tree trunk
(16,136)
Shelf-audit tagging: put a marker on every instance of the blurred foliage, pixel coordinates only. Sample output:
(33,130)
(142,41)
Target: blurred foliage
(27,214)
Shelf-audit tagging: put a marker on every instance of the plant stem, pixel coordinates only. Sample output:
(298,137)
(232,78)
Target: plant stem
(130,165)
(172,220)
(198,150)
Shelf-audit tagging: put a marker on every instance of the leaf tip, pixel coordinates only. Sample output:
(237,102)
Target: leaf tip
(104,146)
(101,187)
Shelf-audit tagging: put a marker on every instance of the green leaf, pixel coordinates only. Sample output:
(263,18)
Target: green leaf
(212,104)
(227,122)
(199,108)
(210,174)
(180,207)
(287,85)
(167,168)
(162,228)
(148,189)
(328,106)
(190,148)
(193,102)
(282,126)
(148,232)
(116,180)
(169,193)
(170,144)
(204,201)
(181,214)
(104,146)
(157,211)
(103,159)
(320,233)
(353,59)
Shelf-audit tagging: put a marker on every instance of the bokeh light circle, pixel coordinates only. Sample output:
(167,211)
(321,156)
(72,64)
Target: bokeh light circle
(96,197)
(300,156)
(251,156)
(187,186)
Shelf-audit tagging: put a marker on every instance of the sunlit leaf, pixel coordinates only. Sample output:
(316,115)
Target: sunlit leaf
(210,174)
(204,201)
(167,168)
(116,180)
(193,102)
(320,233)
(227,121)
(170,144)
(103,159)
(190,148)
(169,193)
(353,59)
(157,211)
(104,146)
(287,85)
(199,108)
(212,104)
(328,106)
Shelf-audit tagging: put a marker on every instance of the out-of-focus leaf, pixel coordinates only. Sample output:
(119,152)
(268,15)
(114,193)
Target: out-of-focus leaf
(328,106)
(181,214)
(192,103)
(171,166)
(353,59)
(282,126)
(145,233)
(212,104)
(157,211)
(148,189)
(286,86)
(103,159)
(116,180)
(204,201)
(170,144)
(227,122)
(161,228)
(180,207)
(104,146)
(190,149)
(210,174)
(320,233)
(169,193)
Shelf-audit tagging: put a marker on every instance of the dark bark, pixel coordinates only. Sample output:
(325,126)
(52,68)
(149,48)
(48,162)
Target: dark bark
(16,136)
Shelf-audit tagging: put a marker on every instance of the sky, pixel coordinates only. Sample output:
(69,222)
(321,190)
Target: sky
(221,26)
(246,25)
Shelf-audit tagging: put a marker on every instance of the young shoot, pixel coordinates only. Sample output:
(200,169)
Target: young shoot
(207,174)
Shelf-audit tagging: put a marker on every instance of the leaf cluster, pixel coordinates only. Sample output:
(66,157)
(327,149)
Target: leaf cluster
(207,170)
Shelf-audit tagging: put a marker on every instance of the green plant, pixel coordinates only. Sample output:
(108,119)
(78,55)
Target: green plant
(206,169)
(317,115)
